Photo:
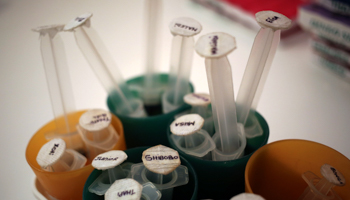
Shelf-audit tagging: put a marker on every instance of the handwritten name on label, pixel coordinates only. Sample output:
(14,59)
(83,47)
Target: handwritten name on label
(159,157)
(80,19)
(185,27)
(271,20)
(214,44)
(105,158)
(125,193)
(336,175)
(100,118)
(55,146)
(185,123)
(200,97)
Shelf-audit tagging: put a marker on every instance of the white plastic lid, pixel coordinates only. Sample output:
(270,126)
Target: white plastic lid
(197,99)
(161,159)
(187,124)
(40,29)
(51,152)
(124,189)
(78,21)
(215,45)
(332,175)
(109,159)
(274,20)
(247,196)
(95,120)
(185,26)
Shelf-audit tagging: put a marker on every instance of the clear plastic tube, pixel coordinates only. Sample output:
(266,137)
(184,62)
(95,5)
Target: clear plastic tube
(224,110)
(180,88)
(57,75)
(104,67)
(260,60)
(153,12)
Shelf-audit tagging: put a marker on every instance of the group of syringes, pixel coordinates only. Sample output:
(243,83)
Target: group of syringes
(192,133)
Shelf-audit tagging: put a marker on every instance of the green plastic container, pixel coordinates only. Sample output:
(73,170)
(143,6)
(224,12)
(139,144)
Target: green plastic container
(223,179)
(188,191)
(151,130)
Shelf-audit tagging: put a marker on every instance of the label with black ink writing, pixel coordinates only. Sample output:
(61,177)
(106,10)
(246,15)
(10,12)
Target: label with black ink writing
(161,159)
(95,120)
(124,189)
(51,152)
(109,159)
(215,45)
(273,20)
(55,146)
(187,124)
(78,21)
(197,99)
(185,26)
(332,175)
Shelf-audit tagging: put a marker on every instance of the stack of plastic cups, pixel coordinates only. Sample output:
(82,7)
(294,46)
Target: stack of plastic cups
(97,132)
(69,184)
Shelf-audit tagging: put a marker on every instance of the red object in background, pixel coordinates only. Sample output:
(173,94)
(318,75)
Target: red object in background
(289,8)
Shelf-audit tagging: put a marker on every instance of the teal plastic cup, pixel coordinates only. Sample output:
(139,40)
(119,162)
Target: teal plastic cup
(188,191)
(223,179)
(151,130)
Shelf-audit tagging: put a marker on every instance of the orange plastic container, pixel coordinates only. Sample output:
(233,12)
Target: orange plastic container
(64,185)
(274,171)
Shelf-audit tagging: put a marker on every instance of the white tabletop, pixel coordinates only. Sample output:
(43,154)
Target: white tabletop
(300,100)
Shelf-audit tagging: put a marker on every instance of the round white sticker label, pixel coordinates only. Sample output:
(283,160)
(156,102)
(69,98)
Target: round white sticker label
(95,119)
(215,45)
(51,152)
(109,159)
(78,21)
(187,124)
(185,26)
(161,159)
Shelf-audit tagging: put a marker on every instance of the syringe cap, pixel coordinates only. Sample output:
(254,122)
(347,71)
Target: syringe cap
(185,26)
(124,189)
(109,159)
(332,175)
(95,119)
(51,152)
(274,20)
(215,45)
(187,124)
(78,21)
(161,159)
(197,99)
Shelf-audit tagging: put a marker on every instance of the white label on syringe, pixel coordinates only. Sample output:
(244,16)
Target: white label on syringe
(95,120)
(197,99)
(124,189)
(77,21)
(332,175)
(109,159)
(45,28)
(185,26)
(161,159)
(274,20)
(215,45)
(187,124)
(51,152)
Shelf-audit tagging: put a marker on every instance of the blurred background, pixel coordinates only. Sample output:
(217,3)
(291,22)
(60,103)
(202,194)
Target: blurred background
(306,96)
